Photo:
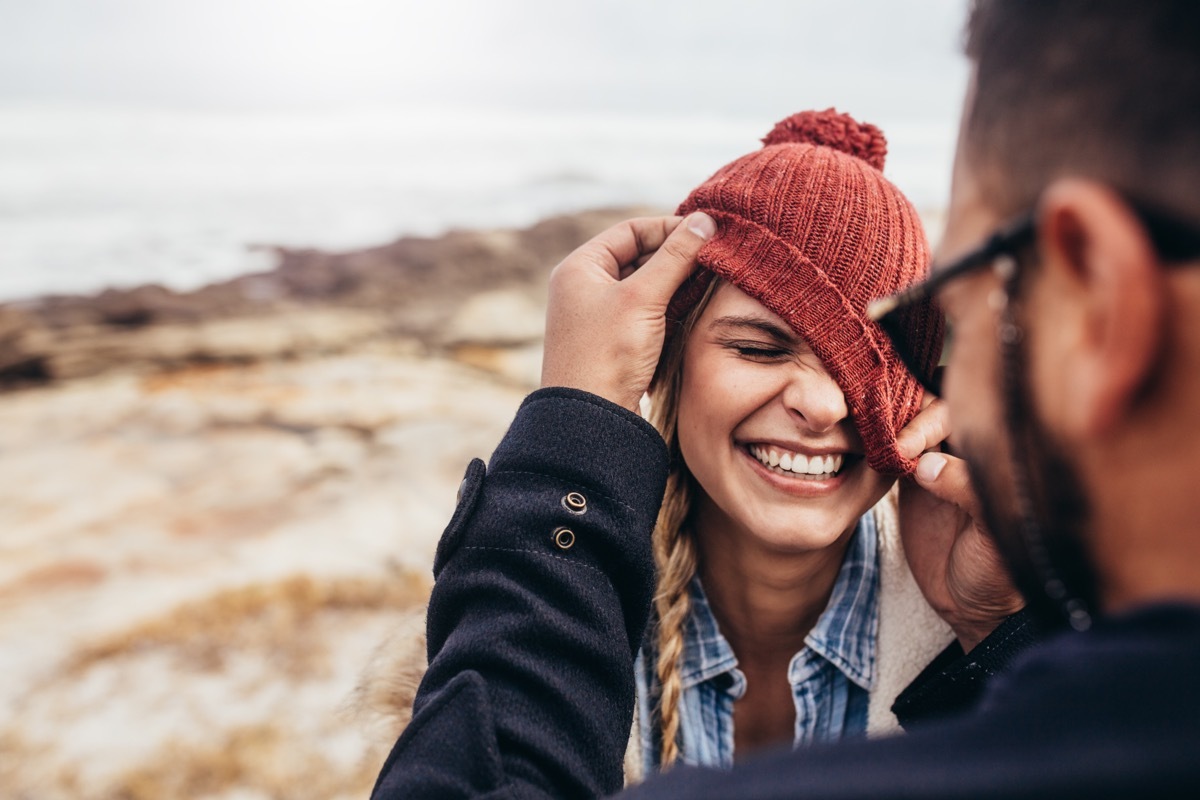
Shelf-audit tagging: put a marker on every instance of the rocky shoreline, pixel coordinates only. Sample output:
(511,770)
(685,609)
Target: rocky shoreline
(313,302)
(215,506)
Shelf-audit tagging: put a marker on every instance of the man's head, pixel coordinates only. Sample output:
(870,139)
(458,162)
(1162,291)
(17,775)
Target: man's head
(1072,382)
(1108,89)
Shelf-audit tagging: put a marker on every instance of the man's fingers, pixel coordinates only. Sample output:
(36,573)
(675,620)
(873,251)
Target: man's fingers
(927,430)
(676,257)
(946,478)
(625,243)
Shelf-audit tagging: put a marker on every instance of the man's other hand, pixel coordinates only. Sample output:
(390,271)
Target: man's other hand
(950,553)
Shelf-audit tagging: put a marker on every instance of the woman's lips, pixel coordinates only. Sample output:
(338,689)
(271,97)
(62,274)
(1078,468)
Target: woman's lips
(805,483)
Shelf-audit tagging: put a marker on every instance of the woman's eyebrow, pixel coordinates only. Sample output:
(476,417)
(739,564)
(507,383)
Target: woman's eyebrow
(757,324)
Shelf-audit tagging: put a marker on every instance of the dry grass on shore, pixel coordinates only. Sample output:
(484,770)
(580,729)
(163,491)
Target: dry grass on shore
(257,761)
(275,619)
(280,636)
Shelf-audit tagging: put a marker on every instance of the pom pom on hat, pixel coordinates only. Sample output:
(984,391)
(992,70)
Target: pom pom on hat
(828,128)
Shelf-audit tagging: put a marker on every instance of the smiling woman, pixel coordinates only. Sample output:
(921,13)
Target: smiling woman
(781,577)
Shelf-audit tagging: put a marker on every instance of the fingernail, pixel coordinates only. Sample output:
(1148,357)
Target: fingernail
(702,225)
(930,466)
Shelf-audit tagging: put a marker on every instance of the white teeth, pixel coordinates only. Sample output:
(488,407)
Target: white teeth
(798,463)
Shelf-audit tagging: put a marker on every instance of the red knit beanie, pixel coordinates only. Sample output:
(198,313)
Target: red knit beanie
(810,228)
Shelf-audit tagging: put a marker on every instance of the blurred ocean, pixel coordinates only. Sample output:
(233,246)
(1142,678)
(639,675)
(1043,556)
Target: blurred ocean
(96,198)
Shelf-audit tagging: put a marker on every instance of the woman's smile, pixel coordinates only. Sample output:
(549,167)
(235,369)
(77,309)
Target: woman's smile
(790,462)
(798,478)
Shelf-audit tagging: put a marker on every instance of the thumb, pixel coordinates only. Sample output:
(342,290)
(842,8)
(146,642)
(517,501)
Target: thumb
(674,261)
(948,479)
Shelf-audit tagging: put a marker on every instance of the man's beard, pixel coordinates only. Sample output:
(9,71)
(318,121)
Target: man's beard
(1035,508)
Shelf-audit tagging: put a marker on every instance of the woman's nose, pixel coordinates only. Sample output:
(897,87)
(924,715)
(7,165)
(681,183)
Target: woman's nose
(817,399)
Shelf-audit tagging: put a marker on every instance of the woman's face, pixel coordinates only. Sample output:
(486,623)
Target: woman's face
(766,433)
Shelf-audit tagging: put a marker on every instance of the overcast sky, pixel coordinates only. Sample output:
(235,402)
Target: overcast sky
(891,58)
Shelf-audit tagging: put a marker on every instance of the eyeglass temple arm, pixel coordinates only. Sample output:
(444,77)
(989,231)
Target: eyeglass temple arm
(1001,242)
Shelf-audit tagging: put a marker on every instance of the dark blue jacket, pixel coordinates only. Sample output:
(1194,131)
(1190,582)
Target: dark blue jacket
(539,606)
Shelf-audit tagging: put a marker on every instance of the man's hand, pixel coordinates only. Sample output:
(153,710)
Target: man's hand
(606,319)
(951,556)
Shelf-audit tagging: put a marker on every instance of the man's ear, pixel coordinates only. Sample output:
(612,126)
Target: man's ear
(1100,316)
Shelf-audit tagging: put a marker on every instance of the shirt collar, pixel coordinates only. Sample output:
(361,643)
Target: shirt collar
(706,653)
(844,634)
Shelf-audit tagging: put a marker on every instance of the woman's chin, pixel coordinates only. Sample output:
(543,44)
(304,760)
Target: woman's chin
(788,531)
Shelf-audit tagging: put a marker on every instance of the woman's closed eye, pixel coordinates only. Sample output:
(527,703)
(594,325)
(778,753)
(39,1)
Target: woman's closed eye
(760,351)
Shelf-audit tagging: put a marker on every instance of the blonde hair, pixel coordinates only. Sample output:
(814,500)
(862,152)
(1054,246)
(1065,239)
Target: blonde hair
(675,552)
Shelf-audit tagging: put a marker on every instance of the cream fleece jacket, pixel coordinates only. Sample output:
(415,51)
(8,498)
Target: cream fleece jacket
(910,633)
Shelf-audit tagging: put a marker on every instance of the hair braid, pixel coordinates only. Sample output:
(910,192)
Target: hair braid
(675,556)
(675,552)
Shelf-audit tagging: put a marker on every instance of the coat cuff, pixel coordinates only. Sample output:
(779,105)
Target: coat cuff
(953,682)
(584,439)
(577,480)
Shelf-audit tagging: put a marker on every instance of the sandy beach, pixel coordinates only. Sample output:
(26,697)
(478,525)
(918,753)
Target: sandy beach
(218,510)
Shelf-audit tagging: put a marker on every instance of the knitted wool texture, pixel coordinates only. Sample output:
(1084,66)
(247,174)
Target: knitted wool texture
(810,228)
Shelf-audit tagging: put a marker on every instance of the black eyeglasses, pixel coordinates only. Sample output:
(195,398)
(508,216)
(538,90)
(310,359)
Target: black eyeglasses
(905,316)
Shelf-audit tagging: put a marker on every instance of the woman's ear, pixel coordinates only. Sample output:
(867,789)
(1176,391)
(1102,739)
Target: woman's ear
(1097,305)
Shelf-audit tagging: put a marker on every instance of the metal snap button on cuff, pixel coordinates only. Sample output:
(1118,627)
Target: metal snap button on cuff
(564,538)
(575,503)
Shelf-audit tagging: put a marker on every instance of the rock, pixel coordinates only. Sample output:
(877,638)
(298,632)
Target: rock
(18,359)
(83,351)
(504,317)
(521,366)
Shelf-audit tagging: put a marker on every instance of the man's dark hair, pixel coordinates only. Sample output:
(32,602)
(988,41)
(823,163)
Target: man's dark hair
(1106,89)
